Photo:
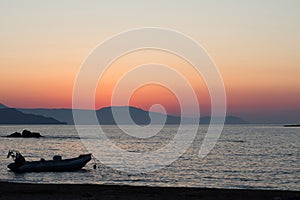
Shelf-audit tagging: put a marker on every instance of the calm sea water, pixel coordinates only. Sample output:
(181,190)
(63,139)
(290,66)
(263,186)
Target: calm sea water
(246,156)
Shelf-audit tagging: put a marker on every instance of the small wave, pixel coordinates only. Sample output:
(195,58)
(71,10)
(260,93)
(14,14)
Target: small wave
(238,141)
(62,137)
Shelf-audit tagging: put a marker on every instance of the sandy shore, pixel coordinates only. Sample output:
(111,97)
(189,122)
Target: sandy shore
(90,192)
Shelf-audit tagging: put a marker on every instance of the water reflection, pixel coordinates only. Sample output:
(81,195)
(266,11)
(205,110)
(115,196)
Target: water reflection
(245,157)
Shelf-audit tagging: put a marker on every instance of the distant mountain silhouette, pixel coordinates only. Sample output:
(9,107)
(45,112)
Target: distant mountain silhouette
(2,106)
(63,115)
(13,116)
(139,116)
(235,120)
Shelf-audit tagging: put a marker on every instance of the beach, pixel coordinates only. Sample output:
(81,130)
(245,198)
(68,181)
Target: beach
(91,192)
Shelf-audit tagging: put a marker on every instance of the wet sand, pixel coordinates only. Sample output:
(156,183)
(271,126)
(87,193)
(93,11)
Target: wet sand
(90,192)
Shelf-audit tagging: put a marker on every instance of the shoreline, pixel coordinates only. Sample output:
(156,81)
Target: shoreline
(9,190)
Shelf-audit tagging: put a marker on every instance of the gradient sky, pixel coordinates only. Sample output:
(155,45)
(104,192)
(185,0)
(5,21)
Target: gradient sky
(255,44)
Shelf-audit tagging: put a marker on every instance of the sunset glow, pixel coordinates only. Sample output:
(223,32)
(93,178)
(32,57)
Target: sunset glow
(255,47)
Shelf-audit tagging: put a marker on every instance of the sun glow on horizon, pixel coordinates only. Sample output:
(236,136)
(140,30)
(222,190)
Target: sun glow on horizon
(255,45)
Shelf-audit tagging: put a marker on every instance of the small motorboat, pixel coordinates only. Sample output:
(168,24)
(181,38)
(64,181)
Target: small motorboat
(58,164)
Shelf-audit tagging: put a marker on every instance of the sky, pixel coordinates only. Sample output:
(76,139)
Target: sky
(255,45)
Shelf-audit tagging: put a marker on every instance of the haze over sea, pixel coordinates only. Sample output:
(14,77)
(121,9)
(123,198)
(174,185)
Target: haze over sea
(246,156)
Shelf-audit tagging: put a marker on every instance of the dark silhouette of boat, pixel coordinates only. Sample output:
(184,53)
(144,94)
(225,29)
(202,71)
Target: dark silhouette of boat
(58,164)
(291,125)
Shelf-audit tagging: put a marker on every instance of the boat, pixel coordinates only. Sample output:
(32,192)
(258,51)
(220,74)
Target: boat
(20,165)
(291,125)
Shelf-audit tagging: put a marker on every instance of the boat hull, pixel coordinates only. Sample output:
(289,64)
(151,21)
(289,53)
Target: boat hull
(72,164)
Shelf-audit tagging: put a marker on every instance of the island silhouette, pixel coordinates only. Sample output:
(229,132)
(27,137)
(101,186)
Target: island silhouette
(104,116)
(14,116)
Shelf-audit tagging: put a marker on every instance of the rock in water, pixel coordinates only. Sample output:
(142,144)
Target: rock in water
(15,134)
(26,134)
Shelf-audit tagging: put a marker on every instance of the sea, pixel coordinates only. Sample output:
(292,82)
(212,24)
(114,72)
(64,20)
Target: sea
(245,157)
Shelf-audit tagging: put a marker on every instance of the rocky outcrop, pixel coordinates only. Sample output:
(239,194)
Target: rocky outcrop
(25,134)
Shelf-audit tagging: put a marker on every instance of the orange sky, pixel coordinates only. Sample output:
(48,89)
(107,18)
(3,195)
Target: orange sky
(256,46)
(149,94)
